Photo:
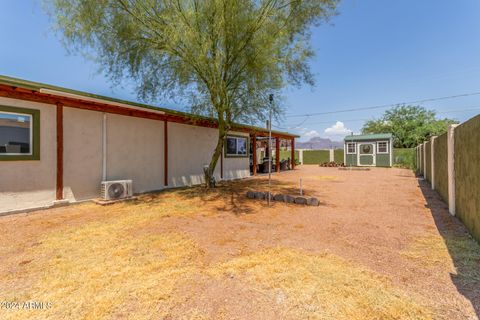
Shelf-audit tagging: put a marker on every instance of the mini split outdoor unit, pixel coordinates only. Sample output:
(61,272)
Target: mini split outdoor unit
(114,190)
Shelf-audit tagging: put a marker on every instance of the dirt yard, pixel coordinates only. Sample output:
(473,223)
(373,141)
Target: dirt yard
(380,246)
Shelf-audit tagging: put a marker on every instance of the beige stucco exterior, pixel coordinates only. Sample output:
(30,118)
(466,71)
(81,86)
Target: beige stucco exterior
(189,149)
(134,151)
(82,153)
(27,184)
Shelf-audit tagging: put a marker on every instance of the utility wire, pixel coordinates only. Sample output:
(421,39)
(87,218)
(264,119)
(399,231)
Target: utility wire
(383,106)
(353,120)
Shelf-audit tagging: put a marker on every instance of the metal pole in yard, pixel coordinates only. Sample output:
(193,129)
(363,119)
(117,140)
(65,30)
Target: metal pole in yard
(270,148)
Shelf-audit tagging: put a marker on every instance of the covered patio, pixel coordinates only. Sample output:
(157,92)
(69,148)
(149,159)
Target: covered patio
(282,153)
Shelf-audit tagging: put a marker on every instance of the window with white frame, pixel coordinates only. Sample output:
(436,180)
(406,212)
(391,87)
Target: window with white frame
(236,146)
(16,134)
(382,147)
(351,148)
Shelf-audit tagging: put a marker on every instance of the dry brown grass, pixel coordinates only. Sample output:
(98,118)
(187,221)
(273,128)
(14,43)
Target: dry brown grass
(125,262)
(323,286)
(429,251)
(104,269)
(326,178)
(457,255)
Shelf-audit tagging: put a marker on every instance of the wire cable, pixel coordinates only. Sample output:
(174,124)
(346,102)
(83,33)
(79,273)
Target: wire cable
(354,120)
(383,106)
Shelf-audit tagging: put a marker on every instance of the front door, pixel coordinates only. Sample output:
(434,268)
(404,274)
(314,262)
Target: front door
(366,154)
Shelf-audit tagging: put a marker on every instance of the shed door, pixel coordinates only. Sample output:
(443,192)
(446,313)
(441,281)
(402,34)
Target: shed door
(366,154)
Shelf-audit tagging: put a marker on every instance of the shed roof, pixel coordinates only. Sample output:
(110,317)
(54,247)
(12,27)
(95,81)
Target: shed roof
(38,86)
(361,137)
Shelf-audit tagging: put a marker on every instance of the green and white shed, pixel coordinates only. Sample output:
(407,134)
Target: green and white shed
(368,150)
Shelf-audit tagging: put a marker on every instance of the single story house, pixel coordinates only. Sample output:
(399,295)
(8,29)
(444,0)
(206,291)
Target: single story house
(368,150)
(58,144)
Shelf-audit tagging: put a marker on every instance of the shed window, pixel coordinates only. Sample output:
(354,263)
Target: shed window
(382,147)
(351,148)
(236,146)
(19,134)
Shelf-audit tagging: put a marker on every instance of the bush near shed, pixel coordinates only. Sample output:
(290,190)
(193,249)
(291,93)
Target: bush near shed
(404,158)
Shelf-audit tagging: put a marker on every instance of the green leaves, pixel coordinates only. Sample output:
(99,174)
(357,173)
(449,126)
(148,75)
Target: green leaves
(221,56)
(410,125)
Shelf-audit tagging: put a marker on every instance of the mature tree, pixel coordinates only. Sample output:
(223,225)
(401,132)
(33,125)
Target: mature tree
(222,56)
(410,125)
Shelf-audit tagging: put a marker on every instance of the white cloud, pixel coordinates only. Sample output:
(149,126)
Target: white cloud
(310,134)
(338,129)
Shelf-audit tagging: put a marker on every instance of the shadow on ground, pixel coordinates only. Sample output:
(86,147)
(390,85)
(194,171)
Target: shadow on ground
(462,248)
(227,196)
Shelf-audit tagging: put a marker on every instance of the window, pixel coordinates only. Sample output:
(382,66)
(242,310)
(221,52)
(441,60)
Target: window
(382,147)
(19,134)
(351,148)
(236,146)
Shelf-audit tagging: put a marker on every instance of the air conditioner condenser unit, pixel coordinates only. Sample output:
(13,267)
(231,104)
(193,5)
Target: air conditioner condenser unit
(115,190)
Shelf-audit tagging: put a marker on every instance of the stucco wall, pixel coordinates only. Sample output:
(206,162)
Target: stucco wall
(440,167)
(316,156)
(338,155)
(82,153)
(428,163)
(467,174)
(135,151)
(421,159)
(25,184)
(189,149)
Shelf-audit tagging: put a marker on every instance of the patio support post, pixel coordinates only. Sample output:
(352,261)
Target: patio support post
(254,154)
(293,153)
(59,191)
(277,154)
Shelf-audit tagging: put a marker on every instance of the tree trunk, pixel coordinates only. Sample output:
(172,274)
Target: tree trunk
(222,133)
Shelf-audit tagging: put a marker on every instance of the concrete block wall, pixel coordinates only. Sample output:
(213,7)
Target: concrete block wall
(308,156)
(467,174)
(451,163)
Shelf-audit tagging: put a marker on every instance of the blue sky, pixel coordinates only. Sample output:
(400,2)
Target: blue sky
(375,52)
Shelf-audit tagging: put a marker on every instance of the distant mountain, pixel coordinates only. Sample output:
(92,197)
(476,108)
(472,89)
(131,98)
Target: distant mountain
(319,143)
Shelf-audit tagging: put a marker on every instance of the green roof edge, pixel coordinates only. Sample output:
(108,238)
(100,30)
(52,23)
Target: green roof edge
(373,136)
(32,85)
